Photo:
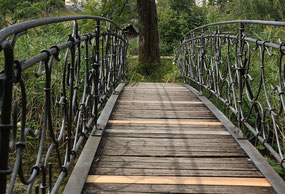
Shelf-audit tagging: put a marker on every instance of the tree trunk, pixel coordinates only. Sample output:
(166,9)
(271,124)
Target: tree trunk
(148,34)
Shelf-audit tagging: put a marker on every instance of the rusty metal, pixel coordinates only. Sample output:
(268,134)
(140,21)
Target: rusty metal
(90,72)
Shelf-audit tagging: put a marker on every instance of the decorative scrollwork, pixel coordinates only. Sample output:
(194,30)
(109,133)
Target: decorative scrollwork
(247,75)
(73,88)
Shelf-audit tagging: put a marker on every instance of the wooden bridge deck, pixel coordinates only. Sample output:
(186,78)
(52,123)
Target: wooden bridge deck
(162,138)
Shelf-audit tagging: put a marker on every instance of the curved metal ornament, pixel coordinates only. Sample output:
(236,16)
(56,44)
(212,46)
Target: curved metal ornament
(247,75)
(73,90)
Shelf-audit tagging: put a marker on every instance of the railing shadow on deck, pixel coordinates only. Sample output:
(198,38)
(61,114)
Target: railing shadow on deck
(92,66)
(246,74)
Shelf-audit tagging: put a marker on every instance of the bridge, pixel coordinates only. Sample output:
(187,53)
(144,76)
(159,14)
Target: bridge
(143,137)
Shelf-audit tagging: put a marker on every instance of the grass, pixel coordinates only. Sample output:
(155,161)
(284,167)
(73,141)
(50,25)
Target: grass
(165,71)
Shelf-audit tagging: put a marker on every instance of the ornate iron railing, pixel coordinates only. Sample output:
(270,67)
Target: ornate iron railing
(246,74)
(72,96)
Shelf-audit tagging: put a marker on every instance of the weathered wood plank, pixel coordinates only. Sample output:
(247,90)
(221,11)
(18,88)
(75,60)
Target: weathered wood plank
(168,122)
(160,102)
(156,115)
(165,135)
(174,153)
(175,165)
(170,160)
(165,127)
(221,139)
(160,105)
(169,149)
(148,108)
(176,172)
(139,126)
(137,188)
(169,131)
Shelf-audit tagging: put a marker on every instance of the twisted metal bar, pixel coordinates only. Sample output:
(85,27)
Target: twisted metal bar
(92,66)
(235,68)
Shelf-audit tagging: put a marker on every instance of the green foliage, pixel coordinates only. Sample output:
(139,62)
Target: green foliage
(175,18)
(25,9)
(244,9)
(133,46)
(165,71)
(120,11)
(14,10)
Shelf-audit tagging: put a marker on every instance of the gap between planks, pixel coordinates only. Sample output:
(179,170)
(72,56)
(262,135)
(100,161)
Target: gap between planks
(165,122)
(172,180)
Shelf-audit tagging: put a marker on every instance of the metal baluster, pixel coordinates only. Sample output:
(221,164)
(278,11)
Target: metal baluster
(6,80)
(240,72)
(96,66)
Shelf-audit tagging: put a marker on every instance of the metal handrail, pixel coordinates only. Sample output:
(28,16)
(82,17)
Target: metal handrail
(93,64)
(222,65)
(260,22)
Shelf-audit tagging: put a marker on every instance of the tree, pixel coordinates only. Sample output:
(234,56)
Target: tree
(120,11)
(175,18)
(148,35)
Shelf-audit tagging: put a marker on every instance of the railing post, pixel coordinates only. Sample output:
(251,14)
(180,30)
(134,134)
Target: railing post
(184,61)
(6,82)
(203,52)
(115,59)
(96,65)
(240,71)
(218,55)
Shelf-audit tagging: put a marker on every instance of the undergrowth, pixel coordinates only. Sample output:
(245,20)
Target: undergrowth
(165,71)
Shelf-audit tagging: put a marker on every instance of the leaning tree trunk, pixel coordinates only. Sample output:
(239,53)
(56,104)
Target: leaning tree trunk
(148,34)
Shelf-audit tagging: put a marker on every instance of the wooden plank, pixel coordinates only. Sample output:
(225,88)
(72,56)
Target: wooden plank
(161,102)
(166,127)
(164,122)
(170,131)
(170,160)
(176,172)
(170,149)
(228,181)
(167,95)
(185,137)
(139,140)
(177,145)
(122,111)
(175,165)
(156,89)
(174,153)
(160,99)
(156,115)
(149,106)
(137,188)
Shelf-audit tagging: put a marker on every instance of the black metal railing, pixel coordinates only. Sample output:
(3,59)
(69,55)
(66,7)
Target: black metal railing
(235,62)
(71,91)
